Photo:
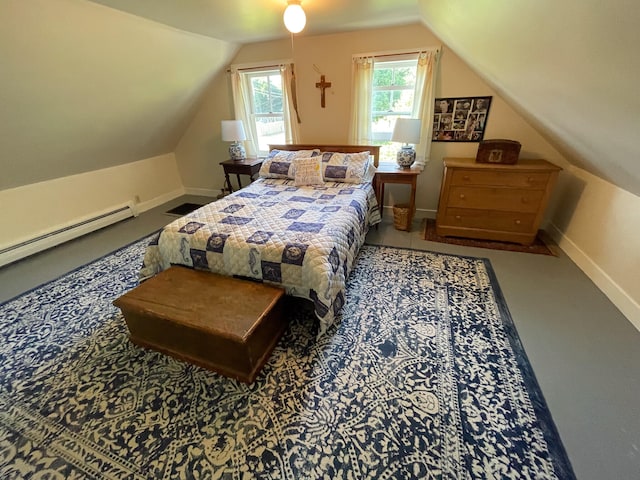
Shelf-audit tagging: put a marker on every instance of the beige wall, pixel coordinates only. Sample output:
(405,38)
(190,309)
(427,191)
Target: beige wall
(598,225)
(44,207)
(84,87)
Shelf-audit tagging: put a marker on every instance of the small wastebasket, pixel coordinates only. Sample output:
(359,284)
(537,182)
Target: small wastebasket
(401,216)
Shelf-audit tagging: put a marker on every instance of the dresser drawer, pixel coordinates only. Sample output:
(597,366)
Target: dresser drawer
(534,180)
(502,199)
(488,220)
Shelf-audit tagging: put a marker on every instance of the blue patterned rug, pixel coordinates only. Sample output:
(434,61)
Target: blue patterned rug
(423,377)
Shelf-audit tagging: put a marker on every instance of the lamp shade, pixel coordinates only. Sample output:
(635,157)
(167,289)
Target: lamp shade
(407,130)
(294,17)
(233,131)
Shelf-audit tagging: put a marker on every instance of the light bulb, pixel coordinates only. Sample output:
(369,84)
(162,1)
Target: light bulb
(294,18)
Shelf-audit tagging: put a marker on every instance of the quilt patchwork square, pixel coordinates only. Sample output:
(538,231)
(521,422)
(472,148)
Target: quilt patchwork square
(305,227)
(216,242)
(293,253)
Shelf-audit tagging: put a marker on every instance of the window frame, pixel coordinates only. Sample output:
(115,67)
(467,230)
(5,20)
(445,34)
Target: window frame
(388,148)
(254,115)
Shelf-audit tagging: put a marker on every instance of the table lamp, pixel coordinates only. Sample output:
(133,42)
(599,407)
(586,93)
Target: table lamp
(233,131)
(407,131)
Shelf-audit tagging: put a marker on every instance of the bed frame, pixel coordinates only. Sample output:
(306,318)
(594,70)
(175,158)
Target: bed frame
(374,150)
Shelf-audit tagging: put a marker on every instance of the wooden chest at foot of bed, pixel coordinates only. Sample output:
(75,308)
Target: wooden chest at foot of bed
(220,323)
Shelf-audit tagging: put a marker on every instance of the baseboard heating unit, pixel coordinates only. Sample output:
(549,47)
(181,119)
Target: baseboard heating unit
(66,232)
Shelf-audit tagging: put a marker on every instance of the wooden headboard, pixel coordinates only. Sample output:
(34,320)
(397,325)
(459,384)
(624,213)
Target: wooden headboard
(374,150)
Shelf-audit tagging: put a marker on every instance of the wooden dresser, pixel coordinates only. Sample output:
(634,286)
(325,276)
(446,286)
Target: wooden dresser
(492,201)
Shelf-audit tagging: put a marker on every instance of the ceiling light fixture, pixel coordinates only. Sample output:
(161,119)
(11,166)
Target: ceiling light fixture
(294,16)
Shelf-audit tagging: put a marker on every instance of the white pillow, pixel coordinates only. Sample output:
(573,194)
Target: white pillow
(345,167)
(370,173)
(308,171)
(278,162)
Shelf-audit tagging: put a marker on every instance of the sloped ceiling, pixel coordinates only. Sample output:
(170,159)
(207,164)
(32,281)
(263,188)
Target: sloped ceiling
(571,68)
(91,84)
(85,87)
(248,21)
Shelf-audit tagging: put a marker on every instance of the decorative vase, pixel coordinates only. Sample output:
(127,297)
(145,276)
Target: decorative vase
(406,156)
(237,152)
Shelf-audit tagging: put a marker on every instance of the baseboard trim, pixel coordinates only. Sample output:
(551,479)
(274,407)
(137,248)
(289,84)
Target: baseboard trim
(204,192)
(621,299)
(420,212)
(162,199)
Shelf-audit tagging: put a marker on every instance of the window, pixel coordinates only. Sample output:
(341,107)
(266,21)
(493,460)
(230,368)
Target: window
(391,86)
(392,96)
(266,107)
(264,99)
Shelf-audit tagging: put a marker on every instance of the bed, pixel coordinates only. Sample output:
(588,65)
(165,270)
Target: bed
(288,228)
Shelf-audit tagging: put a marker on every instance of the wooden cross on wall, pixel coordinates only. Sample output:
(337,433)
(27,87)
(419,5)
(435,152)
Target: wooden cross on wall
(322,85)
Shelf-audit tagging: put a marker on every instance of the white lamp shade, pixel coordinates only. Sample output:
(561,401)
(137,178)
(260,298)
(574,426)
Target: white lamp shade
(294,17)
(407,130)
(233,131)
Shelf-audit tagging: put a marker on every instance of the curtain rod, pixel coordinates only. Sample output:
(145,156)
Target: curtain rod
(396,53)
(262,67)
(258,66)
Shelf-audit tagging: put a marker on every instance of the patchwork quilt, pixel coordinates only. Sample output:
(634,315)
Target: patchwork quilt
(302,238)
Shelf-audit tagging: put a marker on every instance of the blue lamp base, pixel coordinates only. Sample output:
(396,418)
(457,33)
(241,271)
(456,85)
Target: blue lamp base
(237,152)
(406,156)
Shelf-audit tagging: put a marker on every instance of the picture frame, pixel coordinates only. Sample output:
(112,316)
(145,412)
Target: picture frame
(460,119)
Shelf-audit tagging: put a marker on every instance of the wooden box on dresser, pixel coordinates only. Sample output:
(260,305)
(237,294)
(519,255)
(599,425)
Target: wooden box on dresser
(494,201)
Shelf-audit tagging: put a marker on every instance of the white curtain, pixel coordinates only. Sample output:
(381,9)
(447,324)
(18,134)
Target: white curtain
(423,101)
(241,104)
(361,88)
(290,106)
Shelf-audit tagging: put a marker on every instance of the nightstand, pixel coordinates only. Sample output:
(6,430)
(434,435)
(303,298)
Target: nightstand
(392,173)
(247,166)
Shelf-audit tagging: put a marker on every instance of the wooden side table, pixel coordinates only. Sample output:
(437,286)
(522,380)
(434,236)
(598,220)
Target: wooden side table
(247,166)
(391,173)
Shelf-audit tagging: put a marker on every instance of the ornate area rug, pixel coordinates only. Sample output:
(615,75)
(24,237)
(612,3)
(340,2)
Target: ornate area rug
(538,246)
(423,377)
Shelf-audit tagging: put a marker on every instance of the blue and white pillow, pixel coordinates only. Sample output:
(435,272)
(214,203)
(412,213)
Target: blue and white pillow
(279,163)
(345,167)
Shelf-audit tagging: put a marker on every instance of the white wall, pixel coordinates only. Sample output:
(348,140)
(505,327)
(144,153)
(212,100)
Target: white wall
(39,208)
(598,225)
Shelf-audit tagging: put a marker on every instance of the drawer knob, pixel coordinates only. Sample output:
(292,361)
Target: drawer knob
(458,217)
(517,222)
(462,195)
(466,177)
(530,179)
(525,200)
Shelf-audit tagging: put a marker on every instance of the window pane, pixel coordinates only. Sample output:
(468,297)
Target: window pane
(381,102)
(275,84)
(392,97)
(382,77)
(267,93)
(404,76)
(270,130)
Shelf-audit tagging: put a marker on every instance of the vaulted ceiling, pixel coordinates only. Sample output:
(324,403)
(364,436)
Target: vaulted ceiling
(75,98)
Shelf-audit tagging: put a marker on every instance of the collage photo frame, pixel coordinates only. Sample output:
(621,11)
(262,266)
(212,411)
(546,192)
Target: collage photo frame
(460,119)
